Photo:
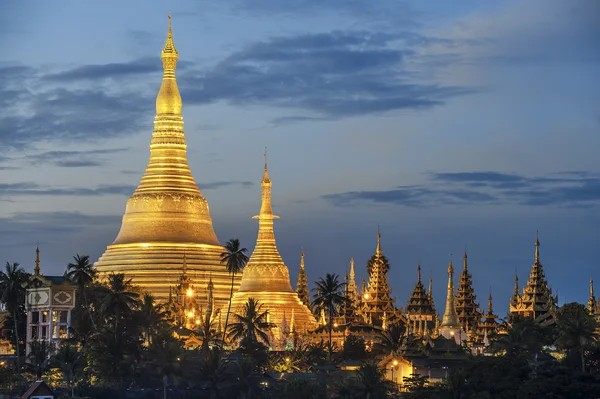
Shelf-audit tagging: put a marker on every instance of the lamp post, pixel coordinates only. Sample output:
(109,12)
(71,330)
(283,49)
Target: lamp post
(394,365)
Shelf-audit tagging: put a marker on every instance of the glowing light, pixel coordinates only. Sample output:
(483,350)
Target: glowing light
(452,333)
(145,245)
(335,324)
(190,292)
(287,359)
(395,362)
(366,296)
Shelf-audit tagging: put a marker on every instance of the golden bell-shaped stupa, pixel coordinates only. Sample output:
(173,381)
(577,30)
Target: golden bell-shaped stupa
(266,278)
(167,216)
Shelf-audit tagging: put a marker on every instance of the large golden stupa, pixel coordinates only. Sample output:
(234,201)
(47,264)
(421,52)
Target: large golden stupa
(167,216)
(266,278)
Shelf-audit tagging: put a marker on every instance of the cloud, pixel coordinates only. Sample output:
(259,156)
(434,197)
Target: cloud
(74,159)
(582,189)
(40,224)
(29,189)
(221,184)
(331,75)
(37,110)
(141,66)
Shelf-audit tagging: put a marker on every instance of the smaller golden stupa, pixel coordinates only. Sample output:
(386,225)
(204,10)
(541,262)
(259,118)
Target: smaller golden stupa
(266,278)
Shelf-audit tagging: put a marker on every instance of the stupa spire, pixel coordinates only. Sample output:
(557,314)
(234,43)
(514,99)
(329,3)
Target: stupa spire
(592,304)
(378,250)
(465,261)
(302,284)
(352,282)
(266,248)
(266,278)
(537,248)
(36,270)
(419,273)
(167,214)
(450,318)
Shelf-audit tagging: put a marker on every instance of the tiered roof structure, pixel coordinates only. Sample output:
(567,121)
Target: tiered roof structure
(420,312)
(167,214)
(536,300)
(593,306)
(302,284)
(377,303)
(466,306)
(489,324)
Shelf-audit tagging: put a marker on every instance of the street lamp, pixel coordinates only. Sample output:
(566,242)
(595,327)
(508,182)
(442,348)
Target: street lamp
(394,365)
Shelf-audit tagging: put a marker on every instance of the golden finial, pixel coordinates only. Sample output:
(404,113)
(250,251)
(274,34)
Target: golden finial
(465,260)
(537,247)
(450,267)
(516,283)
(266,181)
(302,260)
(37,260)
(168,100)
(378,251)
(591,287)
(430,291)
(419,272)
(490,309)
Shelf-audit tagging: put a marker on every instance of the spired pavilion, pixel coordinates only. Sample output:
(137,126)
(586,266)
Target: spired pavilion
(536,300)
(167,216)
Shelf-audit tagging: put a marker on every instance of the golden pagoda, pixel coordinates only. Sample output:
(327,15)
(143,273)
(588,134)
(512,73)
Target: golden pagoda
(451,327)
(167,215)
(420,313)
(537,300)
(266,278)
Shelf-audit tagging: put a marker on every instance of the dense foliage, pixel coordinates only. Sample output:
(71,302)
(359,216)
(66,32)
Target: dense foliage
(123,346)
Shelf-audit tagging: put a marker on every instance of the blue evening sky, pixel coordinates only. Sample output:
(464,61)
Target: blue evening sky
(450,125)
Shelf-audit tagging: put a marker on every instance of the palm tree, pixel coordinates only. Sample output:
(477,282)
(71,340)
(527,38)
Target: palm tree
(214,371)
(329,296)
(235,259)
(576,329)
(12,281)
(208,334)
(40,353)
(252,324)
(119,298)
(390,340)
(82,273)
(372,383)
(66,358)
(523,337)
(153,317)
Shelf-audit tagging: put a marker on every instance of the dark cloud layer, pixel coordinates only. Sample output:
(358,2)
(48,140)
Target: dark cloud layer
(74,159)
(34,189)
(28,188)
(331,75)
(48,224)
(327,75)
(571,189)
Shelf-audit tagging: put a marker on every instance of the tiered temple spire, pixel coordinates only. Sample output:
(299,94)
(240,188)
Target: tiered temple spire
(592,304)
(302,284)
(466,306)
(489,324)
(536,301)
(420,313)
(377,299)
